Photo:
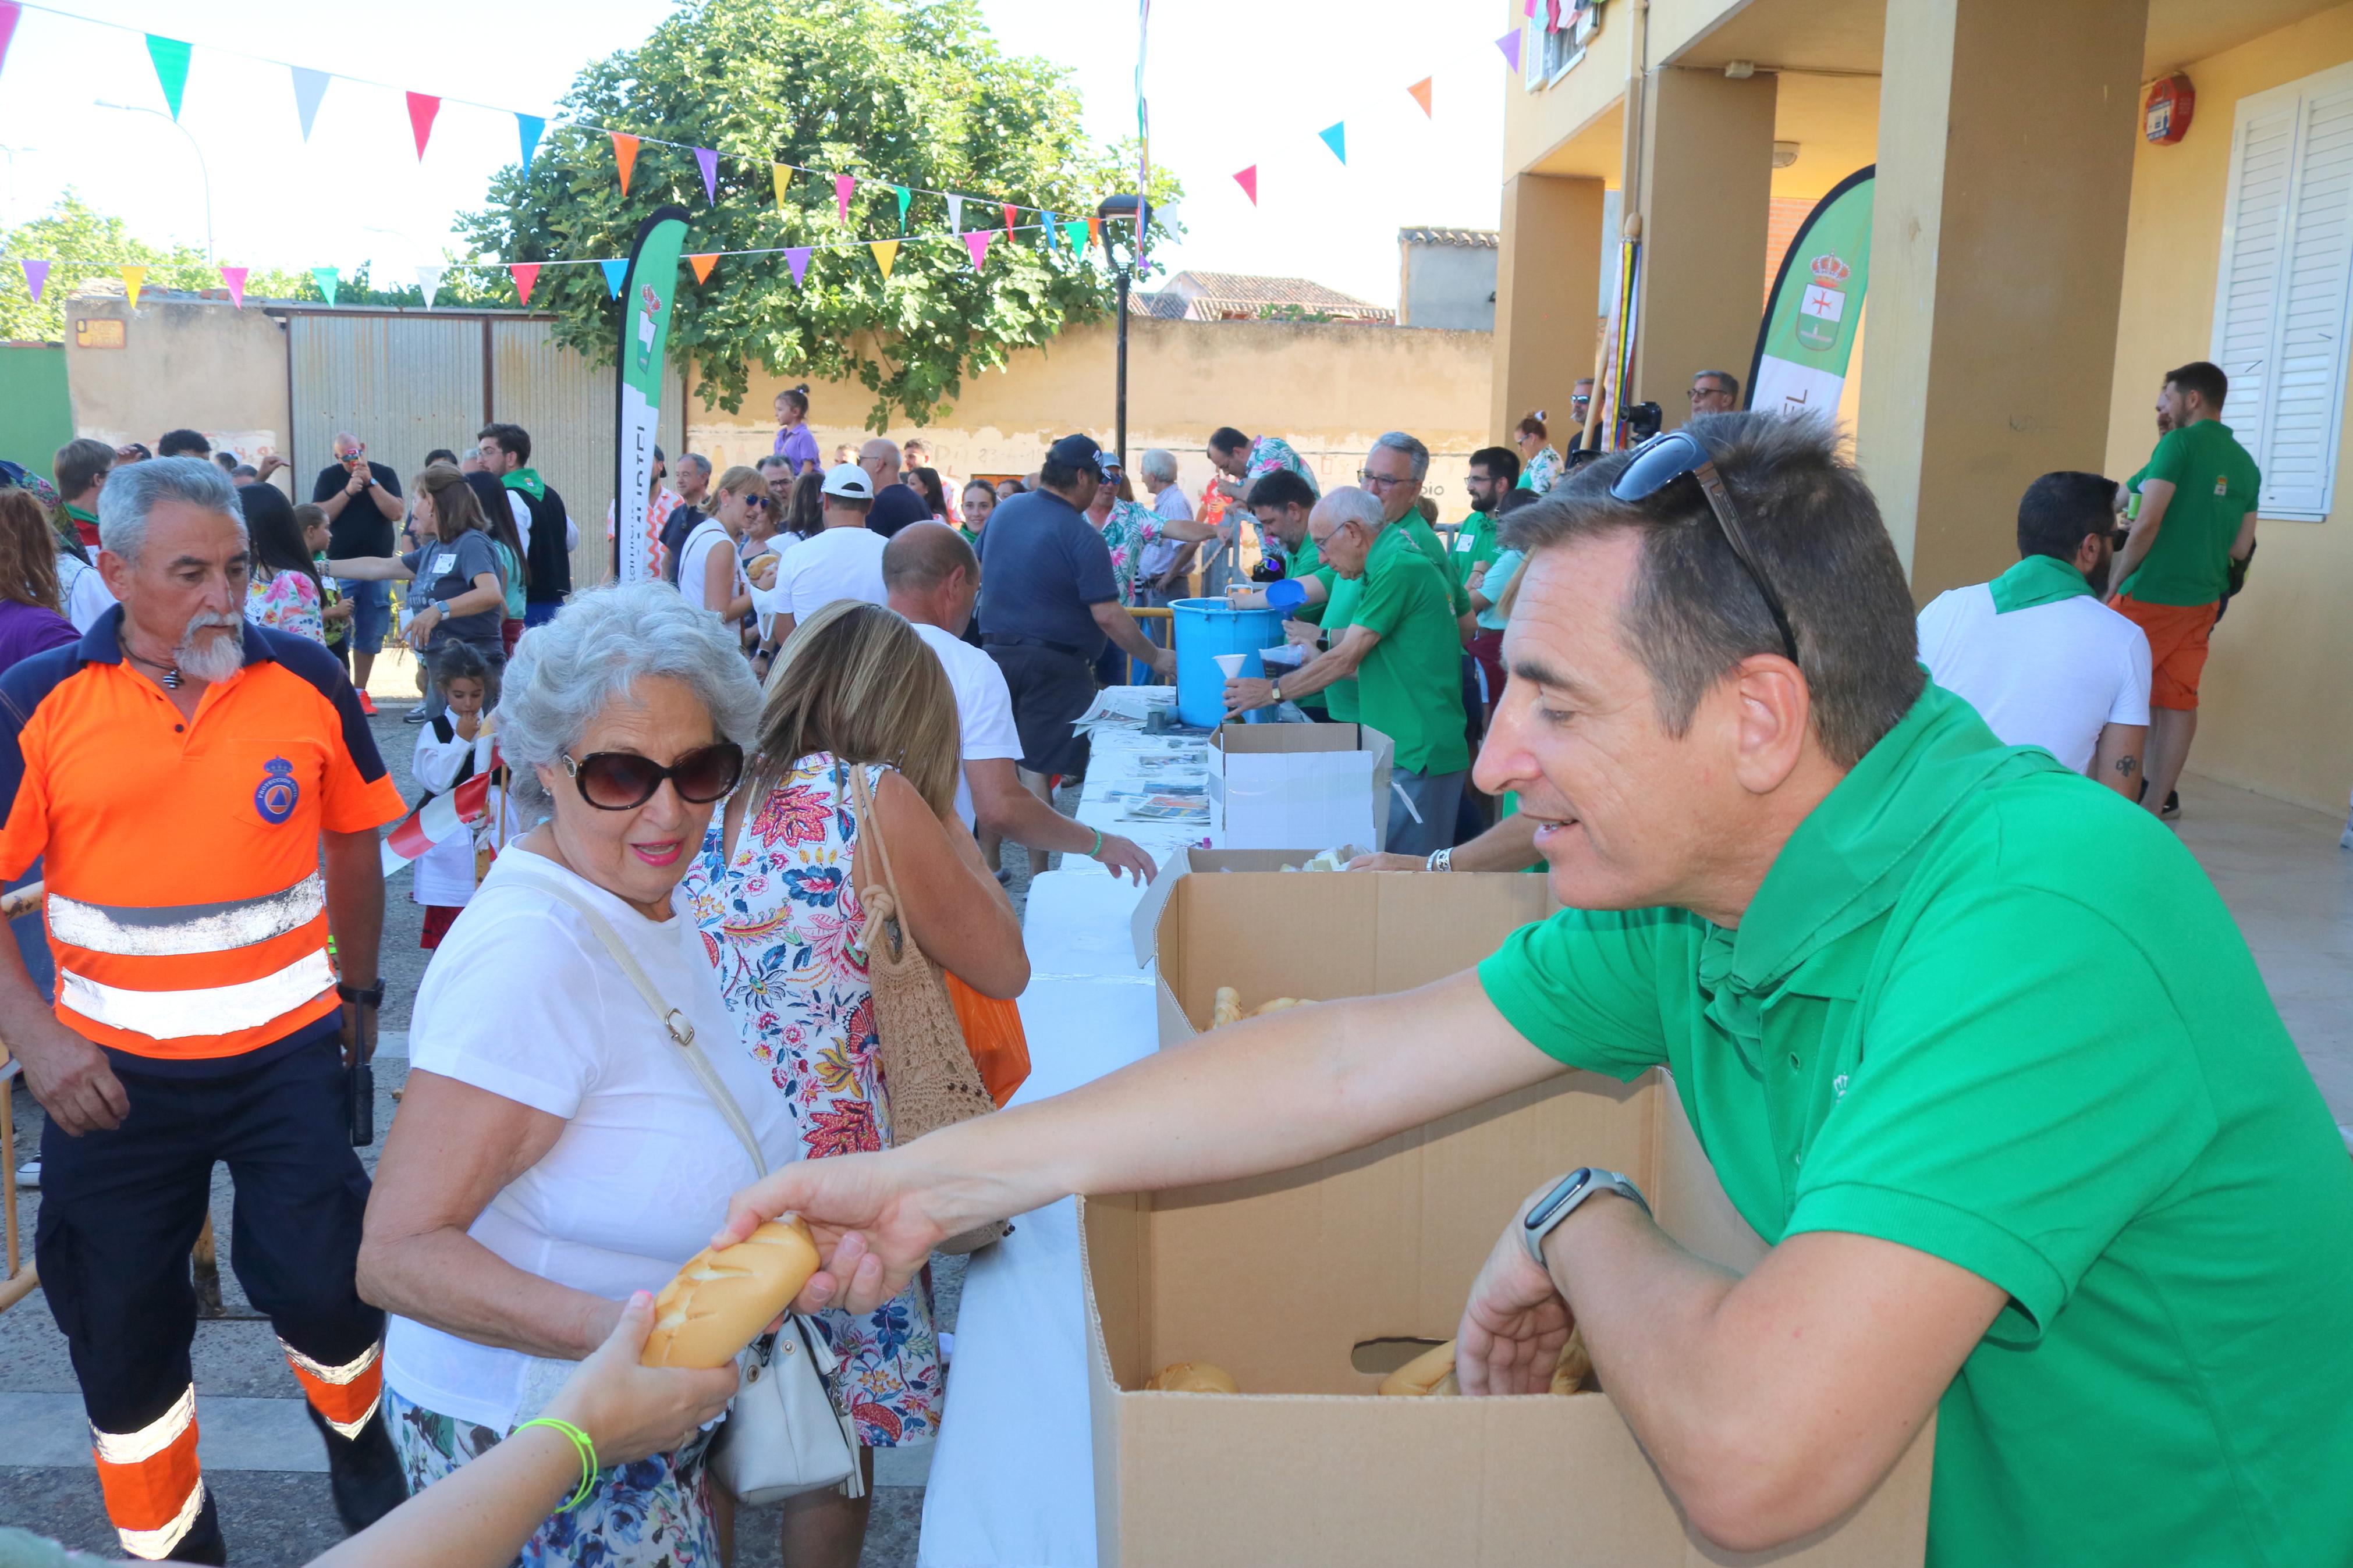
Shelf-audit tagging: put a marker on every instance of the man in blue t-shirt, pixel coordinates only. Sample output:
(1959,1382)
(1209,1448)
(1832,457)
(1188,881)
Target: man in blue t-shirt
(1048,603)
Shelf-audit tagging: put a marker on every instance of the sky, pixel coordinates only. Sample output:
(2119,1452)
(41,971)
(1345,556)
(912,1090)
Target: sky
(1230,83)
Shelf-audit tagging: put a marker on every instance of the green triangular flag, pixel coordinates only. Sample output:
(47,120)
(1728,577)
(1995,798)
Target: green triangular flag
(1075,231)
(327,278)
(905,196)
(171,58)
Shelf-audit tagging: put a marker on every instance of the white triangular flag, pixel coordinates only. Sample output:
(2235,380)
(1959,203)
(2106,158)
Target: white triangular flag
(956,214)
(430,280)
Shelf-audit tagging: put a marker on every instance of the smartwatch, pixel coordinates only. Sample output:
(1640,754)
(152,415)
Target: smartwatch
(1544,1215)
(361,996)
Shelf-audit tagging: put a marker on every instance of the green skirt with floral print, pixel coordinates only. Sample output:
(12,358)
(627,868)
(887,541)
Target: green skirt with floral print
(650,1513)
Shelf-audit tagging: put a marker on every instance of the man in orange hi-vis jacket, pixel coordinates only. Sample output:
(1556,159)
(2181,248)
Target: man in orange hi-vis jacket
(206,796)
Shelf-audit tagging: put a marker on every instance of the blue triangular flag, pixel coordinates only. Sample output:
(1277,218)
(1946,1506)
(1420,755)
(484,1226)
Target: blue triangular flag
(310,87)
(1336,136)
(528,127)
(1049,232)
(614,272)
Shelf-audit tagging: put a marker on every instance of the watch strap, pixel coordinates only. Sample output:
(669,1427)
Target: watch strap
(365,997)
(1564,1198)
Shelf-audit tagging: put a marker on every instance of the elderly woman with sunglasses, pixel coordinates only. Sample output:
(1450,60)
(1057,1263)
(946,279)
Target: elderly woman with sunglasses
(557,1151)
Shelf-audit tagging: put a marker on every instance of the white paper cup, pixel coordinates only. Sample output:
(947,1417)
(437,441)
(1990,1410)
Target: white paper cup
(1231,663)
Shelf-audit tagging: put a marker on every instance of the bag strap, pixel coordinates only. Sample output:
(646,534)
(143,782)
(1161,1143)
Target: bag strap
(680,1027)
(870,826)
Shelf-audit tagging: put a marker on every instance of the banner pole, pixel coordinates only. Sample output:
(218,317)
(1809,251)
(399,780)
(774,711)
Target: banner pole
(649,302)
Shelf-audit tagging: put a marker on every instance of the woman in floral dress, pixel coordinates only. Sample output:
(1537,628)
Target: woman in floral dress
(283,593)
(1539,464)
(775,892)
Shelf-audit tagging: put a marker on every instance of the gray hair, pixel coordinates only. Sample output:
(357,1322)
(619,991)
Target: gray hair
(1349,504)
(695,459)
(1730,382)
(1415,452)
(597,648)
(133,488)
(1159,464)
(773,460)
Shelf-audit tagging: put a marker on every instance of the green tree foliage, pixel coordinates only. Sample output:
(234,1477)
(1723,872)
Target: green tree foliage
(893,92)
(83,243)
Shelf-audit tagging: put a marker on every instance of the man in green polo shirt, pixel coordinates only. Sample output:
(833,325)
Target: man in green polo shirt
(1970,1040)
(1400,646)
(2197,497)
(1282,502)
(1494,470)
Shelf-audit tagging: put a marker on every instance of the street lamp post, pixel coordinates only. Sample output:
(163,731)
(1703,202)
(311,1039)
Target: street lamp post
(1125,257)
(202,167)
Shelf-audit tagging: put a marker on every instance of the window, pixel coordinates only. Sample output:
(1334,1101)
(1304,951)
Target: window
(1547,52)
(2280,296)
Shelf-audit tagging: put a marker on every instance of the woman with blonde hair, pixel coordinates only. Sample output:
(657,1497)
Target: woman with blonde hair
(776,892)
(710,568)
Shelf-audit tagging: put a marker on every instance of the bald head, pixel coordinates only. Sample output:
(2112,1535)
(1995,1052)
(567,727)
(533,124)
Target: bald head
(880,459)
(932,575)
(345,444)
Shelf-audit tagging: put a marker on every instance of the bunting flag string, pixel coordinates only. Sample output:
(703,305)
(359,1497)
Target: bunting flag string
(977,242)
(706,160)
(886,255)
(796,256)
(310,87)
(702,265)
(233,277)
(1510,44)
(428,281)
(1336,136)
(905,196)
(132,277)
(328,280)
(616,272)
(781,174)
(955,213)
(422,108)
(171,58)
(1248,180)
(1420,94)
(9,11)
(625,156)
(526,274)
(37,278)
(529,128)
(842,186)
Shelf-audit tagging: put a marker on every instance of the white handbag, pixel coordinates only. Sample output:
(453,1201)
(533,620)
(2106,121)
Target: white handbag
(786,1433)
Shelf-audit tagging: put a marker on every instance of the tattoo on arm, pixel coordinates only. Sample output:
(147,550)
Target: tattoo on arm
(2128,766)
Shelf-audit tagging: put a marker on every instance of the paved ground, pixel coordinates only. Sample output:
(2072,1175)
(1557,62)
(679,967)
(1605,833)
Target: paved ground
(2278,867)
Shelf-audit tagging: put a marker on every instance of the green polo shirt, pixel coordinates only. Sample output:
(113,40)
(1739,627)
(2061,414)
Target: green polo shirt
(1474,546)
(1985,1008)
(1409,688)
(1299,564)
(1425,537)
(1339,614)
(2215,485)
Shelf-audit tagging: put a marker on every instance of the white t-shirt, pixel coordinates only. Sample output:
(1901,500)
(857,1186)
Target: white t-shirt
(443,875)
(838,563)
(87,596)
(694,562)
(984,706)
(2050,676)
(523,1001)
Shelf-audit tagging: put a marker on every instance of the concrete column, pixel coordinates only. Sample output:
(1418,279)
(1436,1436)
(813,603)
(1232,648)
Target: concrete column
(1547,299)
(1997,262)
(1706,190)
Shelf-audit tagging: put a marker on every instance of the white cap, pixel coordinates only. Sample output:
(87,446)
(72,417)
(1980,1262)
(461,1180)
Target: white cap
(848,481)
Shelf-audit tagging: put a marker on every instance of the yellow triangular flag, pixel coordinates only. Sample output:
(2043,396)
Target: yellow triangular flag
(783,174)
(886,253)
(135,276)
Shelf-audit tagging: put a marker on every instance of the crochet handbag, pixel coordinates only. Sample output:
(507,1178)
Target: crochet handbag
(927,1071)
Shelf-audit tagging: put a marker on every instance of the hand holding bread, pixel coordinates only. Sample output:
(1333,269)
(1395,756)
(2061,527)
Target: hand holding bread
(725,1296)
(630,1410)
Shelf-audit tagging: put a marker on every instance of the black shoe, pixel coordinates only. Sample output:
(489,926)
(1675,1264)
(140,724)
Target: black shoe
(203,1544)
(2172,811)
(364,1472)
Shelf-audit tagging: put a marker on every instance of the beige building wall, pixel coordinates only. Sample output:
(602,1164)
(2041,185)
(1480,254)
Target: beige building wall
(1327,388)
(191,364)
(2274,714)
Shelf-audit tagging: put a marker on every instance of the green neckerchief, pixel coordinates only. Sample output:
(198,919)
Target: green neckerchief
(2037,580)
(528,481)
(1851,860)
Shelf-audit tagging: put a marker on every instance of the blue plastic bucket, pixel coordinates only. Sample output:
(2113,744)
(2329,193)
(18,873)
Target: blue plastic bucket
(1205,628)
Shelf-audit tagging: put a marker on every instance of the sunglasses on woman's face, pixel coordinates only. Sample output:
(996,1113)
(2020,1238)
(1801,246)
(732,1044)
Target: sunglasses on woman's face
(623,781)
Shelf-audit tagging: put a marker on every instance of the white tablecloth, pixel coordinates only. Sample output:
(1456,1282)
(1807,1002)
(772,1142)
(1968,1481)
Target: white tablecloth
(1012,1479)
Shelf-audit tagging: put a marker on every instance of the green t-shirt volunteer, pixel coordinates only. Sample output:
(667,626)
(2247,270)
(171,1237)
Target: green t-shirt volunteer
(1425,537)
(1409,688)
(2215,485)
(1300,563)
(1900,1041)
(1474,545)
(1339,614)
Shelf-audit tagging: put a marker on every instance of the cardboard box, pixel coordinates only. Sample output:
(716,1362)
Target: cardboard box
(1288,1281)
(1279,786)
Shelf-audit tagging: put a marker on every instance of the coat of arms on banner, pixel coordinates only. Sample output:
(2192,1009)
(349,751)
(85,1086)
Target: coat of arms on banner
(1823,306)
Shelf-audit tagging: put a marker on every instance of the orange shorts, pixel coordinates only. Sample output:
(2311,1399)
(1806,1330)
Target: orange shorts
(2177,647)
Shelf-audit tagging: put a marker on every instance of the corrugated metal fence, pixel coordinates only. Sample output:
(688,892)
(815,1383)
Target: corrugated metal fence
(406,382)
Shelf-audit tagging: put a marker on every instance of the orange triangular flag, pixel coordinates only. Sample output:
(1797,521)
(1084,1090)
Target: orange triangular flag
(1420,91)
(783,174)
(625,157)
(1094,230)
(886,255)
(702,265)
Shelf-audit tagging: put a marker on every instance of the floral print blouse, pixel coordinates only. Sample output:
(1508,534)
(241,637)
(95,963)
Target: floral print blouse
(288,601)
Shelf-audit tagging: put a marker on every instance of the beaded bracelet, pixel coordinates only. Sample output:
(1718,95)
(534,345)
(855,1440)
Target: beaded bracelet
(588,1456)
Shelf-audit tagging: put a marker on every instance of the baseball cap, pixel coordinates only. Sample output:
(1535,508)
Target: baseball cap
(849,481)
(1078,452)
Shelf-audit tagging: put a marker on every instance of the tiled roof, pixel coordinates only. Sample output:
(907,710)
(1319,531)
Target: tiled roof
(1474,238)
(1254,289)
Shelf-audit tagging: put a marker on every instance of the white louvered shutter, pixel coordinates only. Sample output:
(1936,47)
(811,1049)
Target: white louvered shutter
(2281,293)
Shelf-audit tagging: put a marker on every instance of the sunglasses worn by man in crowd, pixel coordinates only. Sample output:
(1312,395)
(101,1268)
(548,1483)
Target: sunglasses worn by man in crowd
(1673,455)
(624,781)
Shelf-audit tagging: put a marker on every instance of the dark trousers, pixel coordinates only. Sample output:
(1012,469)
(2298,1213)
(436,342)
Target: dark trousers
(119,1211)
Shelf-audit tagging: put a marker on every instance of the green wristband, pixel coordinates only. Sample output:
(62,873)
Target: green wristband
(588,1456)
(1097,851)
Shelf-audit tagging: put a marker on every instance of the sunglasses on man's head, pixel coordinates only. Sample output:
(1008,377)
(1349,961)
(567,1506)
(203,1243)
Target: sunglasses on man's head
(1671,455)
(623,781)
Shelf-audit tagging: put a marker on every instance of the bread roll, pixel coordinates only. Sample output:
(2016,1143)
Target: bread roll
(721,1300)
(1430,1374)
(1193,1377)
(759,563)
(1277,1005)
(1229,1008)
(1570,1373)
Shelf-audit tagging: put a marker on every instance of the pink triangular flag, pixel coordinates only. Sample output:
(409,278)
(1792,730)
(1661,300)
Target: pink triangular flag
(1248,180)
(422,108)
(525,273)
(1510,44)
(796,257)
(842,186)
(978,243)
(9,10)
(37,278)
(234,278)
(707,160)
